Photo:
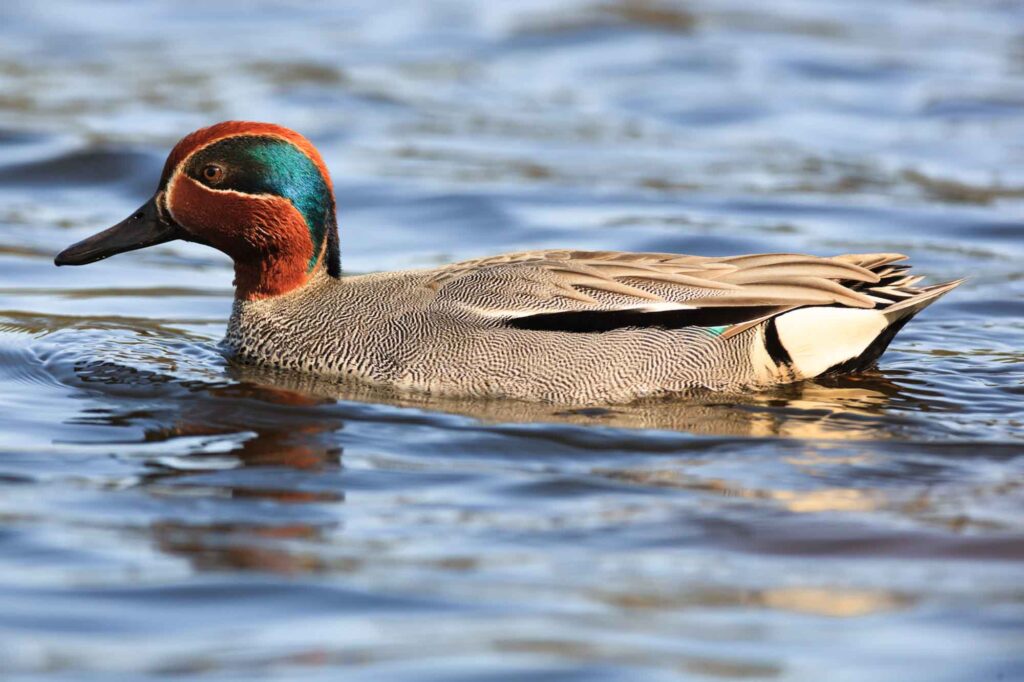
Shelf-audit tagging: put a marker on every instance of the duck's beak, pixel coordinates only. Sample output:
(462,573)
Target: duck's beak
(146,227)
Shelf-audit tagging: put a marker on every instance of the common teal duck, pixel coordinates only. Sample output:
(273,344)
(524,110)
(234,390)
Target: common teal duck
(563,326)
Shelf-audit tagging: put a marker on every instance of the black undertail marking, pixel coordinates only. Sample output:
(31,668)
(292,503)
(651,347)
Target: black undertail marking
(773,344)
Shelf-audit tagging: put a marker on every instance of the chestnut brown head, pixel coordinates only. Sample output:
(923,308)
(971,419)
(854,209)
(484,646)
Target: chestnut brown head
(256,191)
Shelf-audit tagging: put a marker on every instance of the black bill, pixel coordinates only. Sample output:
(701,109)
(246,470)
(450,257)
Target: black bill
(146,227)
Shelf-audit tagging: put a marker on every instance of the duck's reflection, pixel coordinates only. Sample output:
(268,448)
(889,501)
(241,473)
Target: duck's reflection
(242,546)
(226,429)
(271,439)
(278,427)
(846,408)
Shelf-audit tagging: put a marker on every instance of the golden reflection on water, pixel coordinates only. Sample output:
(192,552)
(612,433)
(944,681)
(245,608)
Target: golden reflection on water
(797,501)
(830,601)
(284,420)
(569,648)
(304,442)
(833,499)
(810,411)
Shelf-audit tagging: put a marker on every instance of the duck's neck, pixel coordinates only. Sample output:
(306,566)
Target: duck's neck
(286,263)
(282,271)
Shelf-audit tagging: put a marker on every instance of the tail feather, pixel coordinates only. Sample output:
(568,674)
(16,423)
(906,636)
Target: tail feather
(908,307)
(871,261)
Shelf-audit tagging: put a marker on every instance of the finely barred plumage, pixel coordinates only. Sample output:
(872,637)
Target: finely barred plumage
(447,331)
(558,326)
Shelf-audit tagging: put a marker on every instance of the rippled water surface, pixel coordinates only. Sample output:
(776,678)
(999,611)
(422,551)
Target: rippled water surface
(165,514)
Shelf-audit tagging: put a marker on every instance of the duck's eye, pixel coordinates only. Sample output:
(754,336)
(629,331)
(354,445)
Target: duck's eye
(212,173)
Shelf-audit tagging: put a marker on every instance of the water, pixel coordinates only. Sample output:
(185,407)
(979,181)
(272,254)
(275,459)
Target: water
(167,515)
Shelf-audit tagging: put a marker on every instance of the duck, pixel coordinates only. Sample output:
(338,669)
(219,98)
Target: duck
(558,326)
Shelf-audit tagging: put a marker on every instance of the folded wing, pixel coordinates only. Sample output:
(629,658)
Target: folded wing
(593,291)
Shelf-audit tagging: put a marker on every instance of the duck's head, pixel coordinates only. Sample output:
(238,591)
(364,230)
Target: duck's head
(256,191)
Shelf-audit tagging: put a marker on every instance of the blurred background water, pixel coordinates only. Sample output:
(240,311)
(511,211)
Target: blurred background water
(163,514)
